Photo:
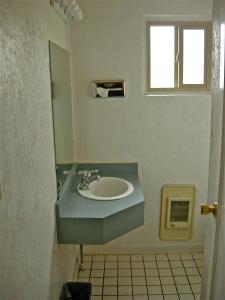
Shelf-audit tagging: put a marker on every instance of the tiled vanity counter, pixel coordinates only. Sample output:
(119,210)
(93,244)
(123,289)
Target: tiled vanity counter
(85,221)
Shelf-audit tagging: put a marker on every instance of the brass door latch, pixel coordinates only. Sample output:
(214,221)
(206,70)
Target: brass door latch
(206,209)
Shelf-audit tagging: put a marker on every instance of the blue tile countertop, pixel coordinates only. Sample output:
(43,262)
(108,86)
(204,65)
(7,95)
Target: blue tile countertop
(83,220)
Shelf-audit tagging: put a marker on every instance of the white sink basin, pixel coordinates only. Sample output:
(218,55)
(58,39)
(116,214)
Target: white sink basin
(107,188)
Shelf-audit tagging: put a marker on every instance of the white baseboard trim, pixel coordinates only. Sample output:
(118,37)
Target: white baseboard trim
(134,249)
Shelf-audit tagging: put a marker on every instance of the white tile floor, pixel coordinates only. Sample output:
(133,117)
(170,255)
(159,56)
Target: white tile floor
(144,277)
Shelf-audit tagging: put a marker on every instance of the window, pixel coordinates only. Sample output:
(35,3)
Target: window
(178,57)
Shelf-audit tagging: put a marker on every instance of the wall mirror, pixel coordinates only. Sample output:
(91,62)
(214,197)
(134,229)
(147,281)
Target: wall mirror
(62,110)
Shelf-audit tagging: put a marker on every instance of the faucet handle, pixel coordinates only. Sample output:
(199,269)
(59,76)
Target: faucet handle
(87,173)
(92,171)
(82,172)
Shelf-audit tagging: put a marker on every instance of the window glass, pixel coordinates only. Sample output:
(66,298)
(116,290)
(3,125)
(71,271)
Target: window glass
(193,56)
(162,62)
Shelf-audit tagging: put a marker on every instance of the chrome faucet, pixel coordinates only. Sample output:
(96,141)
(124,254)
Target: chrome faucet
(88,177)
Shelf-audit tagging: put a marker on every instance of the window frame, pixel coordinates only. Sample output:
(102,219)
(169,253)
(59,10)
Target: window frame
(178,57)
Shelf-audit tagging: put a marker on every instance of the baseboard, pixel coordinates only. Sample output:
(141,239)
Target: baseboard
(134,249)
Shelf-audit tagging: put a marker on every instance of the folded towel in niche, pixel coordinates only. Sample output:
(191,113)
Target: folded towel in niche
(104,93)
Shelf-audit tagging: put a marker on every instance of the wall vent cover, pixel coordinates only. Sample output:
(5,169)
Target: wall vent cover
(177,209)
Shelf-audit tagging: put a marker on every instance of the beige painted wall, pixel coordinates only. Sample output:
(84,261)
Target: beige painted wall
(32,264)
(167,135)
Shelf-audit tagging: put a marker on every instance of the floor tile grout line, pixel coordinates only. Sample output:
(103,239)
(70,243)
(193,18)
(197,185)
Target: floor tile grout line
(174,278)
(131,279)
(198,268)
(159,277)
(145,277)
(188,278)
(103,279)
(196,265)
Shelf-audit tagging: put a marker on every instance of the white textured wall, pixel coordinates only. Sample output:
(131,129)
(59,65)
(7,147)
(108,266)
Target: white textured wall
(32,265)
(167,135)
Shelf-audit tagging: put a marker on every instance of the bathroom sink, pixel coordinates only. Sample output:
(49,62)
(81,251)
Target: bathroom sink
(107,188)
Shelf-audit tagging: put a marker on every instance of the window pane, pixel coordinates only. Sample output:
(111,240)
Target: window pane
(193,61)
(162,48)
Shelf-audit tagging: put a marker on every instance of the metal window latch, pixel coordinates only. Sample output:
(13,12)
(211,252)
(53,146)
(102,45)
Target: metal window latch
(207,209)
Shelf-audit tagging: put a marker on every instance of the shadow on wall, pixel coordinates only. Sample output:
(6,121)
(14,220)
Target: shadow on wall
(61,272)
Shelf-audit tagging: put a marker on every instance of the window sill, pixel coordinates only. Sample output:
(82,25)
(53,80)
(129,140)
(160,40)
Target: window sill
(174,94)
